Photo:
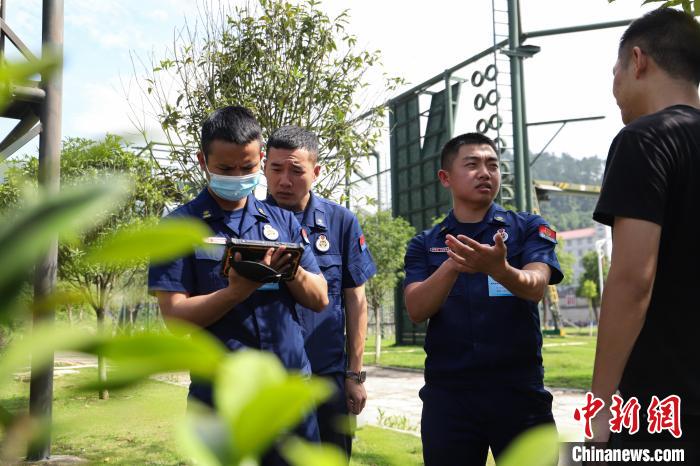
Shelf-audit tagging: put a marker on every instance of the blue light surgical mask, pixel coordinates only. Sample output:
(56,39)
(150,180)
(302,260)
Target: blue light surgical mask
(233,188)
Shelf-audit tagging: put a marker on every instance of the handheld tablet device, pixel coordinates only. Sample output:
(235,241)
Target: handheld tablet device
(252,253)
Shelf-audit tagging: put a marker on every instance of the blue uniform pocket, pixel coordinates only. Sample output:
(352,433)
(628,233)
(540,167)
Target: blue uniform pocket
(331,266)
(212,252)
(207,265)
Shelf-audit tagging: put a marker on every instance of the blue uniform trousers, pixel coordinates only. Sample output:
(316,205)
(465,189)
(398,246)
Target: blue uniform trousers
(333,421)
(460,424)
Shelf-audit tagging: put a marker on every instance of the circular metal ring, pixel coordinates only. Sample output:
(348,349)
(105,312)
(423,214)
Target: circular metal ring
(480,102)
(493,97)
(491,72)
(507,193)
(477,78)
(495,122)
(482,126)
(505,169)
(501,144)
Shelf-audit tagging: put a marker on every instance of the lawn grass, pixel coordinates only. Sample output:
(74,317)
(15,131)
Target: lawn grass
(376,446)
(568,360)
(137,426)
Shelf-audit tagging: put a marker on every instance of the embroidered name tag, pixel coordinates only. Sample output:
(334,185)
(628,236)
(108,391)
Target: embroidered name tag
(215,240)
(445,249)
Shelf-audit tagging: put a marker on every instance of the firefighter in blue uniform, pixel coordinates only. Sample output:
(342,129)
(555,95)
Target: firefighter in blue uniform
(477,277)
(240,312)
(334,235)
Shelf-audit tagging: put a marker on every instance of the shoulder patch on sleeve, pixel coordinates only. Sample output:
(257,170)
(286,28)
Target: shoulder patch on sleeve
(548,234)
(363,244)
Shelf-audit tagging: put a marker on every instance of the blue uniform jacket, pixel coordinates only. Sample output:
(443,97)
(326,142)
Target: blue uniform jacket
(266,320)
(482,333)
(347,263)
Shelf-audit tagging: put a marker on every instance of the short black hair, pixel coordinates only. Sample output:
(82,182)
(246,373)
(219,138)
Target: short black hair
(671,38)
(451,147)
(231,124)
(294,137)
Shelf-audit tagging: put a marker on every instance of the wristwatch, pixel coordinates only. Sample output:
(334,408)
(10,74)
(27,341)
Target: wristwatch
(358,377)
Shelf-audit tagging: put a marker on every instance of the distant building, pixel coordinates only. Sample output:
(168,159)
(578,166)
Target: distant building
(580,242)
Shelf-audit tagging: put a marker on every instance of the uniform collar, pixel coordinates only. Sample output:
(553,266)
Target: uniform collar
(315,213)
(496,215)
(253,214)
(204,206)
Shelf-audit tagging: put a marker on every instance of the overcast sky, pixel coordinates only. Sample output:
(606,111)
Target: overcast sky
(570,78)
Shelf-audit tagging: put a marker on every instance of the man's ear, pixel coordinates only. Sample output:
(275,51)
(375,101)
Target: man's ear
(444,177)
(202,160)
(317,171)
(640,61)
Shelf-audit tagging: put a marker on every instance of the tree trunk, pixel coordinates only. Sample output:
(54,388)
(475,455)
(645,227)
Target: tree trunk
(69,311)
(101,365)
(377,332)
(595,311)
(545,310)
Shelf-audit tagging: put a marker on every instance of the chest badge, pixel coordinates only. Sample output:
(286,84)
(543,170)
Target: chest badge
(270,233)
(322,243)
(502,232)
(304,235)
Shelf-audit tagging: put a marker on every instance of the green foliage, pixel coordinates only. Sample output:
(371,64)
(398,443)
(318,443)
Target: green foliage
(299,452)
(374,446)
(590,274)
(104,162)
(568,212)
(387,238)
(692,7)
(20,74)
(566,261)
(159,242)
(289,62)
(28,234)
(395,421)
(538,446)
(256,403)
(25,238)
(588,289)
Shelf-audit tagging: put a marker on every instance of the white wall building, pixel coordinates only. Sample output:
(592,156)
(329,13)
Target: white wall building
(580,242)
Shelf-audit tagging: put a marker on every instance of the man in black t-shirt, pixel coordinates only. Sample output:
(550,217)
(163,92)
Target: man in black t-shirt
(649,333)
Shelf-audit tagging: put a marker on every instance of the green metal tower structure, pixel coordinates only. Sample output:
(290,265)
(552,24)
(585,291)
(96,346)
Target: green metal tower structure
(497,86)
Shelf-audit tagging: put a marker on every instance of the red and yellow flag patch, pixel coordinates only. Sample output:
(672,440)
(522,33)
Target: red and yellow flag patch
(363,245)
(548,234)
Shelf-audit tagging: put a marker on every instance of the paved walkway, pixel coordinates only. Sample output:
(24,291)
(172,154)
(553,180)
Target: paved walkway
(392,396)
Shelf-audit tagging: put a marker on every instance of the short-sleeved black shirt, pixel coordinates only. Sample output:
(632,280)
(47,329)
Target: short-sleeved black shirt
(653,173)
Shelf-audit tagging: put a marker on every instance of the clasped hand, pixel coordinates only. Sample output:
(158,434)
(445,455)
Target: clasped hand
(471,256)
